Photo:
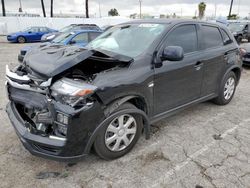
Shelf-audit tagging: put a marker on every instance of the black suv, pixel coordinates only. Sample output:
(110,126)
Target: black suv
(240,31)
(66,100)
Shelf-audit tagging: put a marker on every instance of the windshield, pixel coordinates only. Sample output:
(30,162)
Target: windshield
(234,27)
(129,40)
(63,37)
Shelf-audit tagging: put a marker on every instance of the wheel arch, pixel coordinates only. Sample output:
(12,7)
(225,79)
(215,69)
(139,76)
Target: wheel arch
(141,110)
(237,72)
(21,36)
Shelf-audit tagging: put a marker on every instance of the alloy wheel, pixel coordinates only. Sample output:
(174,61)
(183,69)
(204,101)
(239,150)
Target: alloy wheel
(229,88)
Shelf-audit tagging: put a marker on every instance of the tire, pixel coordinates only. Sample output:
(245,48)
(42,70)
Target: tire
(21,39)
(239,39)
(116,148)
(228,83)
(248,39)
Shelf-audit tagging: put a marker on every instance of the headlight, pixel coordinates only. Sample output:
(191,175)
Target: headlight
(50,37)
(234,33)
(71,91)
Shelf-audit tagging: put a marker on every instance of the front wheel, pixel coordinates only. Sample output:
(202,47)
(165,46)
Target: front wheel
(227,89)
(119,136)
(21,39)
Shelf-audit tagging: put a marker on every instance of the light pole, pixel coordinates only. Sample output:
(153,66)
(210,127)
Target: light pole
(100,14)
(140,1)
(20,6)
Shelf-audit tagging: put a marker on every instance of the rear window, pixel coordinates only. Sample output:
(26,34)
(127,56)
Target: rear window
(211,37)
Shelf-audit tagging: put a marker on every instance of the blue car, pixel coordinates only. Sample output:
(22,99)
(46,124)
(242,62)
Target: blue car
(78,38)
(31,34)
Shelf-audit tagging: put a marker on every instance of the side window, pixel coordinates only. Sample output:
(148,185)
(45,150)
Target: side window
(34,29)
(81,38)
(184,36)
(43,29)
(92,36)
(226,38)
(211,37)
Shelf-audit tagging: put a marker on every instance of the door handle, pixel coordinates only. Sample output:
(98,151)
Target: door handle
(198,65)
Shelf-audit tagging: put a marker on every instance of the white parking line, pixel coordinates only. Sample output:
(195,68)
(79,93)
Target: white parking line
(181,165)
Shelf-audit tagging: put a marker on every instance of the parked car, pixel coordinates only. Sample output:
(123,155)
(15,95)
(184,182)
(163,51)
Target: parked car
(31,34)
(240,31)
(106,27)
(65,100)
(246,54)
(50,36)
(79,38)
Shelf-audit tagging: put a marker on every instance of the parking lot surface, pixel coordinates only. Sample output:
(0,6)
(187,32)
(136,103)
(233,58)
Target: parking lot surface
(204,146)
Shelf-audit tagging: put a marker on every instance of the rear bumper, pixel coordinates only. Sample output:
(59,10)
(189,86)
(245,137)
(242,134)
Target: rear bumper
(35,143)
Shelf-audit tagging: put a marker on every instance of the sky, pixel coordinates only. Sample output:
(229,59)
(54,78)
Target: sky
(127,7)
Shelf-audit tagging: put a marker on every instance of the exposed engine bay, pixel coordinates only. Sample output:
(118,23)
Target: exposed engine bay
(45,101)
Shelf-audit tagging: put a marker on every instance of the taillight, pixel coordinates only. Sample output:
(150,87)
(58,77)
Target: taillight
(242,52)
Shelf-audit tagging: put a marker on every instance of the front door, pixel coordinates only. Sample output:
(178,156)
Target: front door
(179,82)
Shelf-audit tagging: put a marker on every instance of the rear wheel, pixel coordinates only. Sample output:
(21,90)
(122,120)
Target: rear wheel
(248,39)
(120,135)
(21,39)
(227,89)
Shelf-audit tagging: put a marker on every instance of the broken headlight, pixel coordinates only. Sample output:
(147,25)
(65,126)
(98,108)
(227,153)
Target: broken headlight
(70,91)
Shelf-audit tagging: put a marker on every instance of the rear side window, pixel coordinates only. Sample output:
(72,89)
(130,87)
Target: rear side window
(211,37)
(184,36)
(225,37)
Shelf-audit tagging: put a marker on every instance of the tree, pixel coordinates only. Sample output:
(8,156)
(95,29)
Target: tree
(87,8)
(43,8)
(230,10)
(233,17)
(113,12)
(3,8)
(202,8)
(51,8)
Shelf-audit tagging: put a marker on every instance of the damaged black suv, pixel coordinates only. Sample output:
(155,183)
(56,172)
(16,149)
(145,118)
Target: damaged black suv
(64,101)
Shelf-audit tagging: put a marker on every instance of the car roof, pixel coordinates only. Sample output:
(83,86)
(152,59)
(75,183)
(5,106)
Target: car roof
(170,21)
(85,31)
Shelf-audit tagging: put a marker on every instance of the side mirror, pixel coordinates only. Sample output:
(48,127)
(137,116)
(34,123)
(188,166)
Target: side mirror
(173,53)
(30,32)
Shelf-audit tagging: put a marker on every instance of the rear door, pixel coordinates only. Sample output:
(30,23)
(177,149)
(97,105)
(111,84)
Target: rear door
(214,55)
(179,82)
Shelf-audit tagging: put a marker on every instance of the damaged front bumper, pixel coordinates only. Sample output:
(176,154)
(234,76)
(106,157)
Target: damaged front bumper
(79,126)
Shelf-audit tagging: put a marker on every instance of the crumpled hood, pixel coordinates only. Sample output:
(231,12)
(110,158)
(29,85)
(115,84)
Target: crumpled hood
(50,60)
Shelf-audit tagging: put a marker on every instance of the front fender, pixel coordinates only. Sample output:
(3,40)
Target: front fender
(108,119)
